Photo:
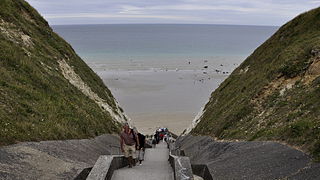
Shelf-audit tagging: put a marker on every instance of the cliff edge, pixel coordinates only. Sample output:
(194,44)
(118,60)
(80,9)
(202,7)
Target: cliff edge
(274,94)
(47,92)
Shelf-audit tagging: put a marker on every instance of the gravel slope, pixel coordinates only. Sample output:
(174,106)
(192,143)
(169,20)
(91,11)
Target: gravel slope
(54,159)
(249,160)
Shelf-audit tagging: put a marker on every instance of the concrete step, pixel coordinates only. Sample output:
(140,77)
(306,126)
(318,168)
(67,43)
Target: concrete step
(154,167)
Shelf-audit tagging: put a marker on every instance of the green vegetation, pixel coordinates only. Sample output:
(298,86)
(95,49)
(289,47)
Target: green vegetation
(277,98)
(36,101)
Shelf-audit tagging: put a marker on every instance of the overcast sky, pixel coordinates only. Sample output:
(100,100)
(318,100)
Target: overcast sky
(243,12)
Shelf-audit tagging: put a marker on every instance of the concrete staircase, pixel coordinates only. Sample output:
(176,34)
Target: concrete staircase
(155,166)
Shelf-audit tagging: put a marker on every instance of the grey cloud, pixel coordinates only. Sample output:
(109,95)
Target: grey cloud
(257,12)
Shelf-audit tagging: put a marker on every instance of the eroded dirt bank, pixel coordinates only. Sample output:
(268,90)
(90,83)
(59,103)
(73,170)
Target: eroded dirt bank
(249,160)
(54,159)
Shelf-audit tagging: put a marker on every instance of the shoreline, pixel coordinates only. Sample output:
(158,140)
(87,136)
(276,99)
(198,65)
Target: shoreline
(171,98)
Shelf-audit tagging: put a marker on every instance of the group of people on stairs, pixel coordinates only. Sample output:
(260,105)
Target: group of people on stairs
(132,144)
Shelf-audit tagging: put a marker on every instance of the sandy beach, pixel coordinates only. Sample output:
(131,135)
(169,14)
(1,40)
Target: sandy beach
(164,94)
(162,75)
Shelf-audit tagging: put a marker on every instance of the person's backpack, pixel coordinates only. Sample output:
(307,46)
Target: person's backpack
(134,136)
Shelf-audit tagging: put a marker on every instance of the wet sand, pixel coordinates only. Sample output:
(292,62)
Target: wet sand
(164,95)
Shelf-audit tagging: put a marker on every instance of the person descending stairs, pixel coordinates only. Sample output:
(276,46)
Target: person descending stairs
(155,166)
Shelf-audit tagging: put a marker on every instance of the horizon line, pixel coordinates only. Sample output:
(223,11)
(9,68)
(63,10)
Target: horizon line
(76,24)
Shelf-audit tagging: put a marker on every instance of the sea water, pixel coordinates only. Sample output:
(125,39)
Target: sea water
(163,74)
(113,44)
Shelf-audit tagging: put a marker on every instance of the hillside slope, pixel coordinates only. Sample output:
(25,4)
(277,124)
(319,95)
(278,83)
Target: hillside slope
(46,91)
(274,94)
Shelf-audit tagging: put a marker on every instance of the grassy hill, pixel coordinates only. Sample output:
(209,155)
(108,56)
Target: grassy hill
(275,93)
(46,91)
